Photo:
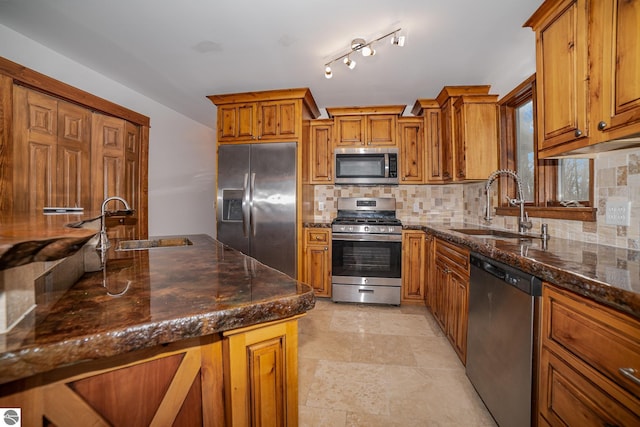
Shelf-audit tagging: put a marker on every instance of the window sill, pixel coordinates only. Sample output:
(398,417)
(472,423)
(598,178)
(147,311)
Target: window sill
(572,214)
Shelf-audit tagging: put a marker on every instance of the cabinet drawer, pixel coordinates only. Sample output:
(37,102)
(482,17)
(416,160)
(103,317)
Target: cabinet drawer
(568,398)
(599,337)
(317,236)
(458,257)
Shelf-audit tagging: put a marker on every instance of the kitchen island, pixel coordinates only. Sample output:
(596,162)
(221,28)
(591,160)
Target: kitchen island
(197,334)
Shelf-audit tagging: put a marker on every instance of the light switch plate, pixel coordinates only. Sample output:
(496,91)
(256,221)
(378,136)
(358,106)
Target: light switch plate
(618,213)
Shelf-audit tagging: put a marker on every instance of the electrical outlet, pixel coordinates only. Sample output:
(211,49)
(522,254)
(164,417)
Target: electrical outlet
(320,206)
(617,213)
(416,207)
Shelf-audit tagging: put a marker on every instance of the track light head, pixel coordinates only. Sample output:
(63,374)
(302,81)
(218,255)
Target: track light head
(327,72)
(397,40)
(351,64)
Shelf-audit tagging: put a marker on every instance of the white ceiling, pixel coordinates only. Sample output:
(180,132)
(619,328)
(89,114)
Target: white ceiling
(179,51)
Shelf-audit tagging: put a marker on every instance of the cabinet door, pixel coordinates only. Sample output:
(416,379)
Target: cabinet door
(413,266)
(433,146)
(107,158)
(440,287)
(429,271)
(277,120)
(411,136)
(620,95)
(261,374)
(237,122)
(350,130)
(460,152)
(562,75)
(73,186)
(458,295)
(381,130)
(448,133)
(35,142)
(321,154)
(317,261)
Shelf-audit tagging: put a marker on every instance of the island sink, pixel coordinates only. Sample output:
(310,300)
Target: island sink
(136,245)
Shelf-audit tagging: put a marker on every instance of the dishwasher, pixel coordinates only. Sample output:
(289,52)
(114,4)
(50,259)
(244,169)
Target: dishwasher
(503,313)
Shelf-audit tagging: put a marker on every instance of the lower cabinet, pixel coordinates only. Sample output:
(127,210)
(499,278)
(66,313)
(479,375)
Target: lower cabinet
(261,375)
(317,260)
(243,377)
(450,300)
(413,253)
(589,363)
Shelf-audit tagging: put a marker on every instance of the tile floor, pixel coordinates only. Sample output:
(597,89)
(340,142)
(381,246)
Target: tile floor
(371,365)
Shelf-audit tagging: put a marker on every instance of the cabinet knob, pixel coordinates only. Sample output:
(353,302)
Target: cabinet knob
(578,133)
(326,248)
(369,143)
(602,125)
(630,373)
(404,178)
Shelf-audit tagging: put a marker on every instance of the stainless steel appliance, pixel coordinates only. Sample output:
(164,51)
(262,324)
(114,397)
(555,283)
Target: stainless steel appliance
(256,205)
(366,245)
(503,308)
(366,166)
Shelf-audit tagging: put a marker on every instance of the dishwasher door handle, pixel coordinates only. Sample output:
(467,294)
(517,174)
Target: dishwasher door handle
(494,270)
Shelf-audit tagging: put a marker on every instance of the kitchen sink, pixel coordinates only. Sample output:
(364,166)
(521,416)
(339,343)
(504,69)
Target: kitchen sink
(496,234)
(136,245)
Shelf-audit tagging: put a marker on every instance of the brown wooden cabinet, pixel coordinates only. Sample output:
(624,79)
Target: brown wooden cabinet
(451,293)
(317,260)
(365,126)
(434,157)
(589,362)
(413,254)
(411,140)
(265,116)
(587,63)
(429,270)
(476,137)
(320,158)
(261,374)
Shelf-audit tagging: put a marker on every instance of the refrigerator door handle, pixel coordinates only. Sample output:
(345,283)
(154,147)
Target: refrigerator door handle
(246,201)
(252,216)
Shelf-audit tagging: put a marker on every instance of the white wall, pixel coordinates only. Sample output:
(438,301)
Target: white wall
(182,152)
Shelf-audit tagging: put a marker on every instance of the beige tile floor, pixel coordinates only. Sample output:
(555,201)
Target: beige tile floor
(372,365)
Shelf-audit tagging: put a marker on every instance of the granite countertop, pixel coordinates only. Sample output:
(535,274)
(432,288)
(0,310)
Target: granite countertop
(27,238)
(149,297)
(606,274)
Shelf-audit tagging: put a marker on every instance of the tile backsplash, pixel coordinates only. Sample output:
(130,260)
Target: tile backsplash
(617,178)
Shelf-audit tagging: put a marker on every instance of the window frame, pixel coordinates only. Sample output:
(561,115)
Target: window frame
(545,204)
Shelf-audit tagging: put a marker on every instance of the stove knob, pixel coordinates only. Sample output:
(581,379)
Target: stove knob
(366,228)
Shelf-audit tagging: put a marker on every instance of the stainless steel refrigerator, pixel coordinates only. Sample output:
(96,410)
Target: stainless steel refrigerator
(256,206)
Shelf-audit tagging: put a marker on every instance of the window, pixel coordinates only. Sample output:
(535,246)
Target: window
(560,189)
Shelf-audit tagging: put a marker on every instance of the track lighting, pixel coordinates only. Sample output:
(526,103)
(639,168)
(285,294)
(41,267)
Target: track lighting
(349,63)
(366,49)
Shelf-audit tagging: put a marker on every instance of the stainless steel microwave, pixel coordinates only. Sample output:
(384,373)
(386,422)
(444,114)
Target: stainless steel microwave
(366,166)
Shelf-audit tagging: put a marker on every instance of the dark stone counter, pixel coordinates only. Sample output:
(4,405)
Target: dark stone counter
(37,237)
(145,298)
(606,274)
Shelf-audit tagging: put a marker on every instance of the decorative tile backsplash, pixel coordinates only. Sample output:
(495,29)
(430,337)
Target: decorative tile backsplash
(617,178)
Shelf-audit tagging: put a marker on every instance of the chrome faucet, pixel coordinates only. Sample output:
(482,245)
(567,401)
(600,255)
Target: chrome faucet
(103,241)
(523,221)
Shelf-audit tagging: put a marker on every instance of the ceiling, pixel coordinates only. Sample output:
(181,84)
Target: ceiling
(178,52)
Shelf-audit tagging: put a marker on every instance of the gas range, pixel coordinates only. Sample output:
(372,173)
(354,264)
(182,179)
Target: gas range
(366,215)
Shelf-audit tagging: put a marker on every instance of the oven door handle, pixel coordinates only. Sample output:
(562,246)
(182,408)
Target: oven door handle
(367,237)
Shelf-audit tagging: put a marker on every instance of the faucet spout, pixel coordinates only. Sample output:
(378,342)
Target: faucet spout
(523,221)
(103,242)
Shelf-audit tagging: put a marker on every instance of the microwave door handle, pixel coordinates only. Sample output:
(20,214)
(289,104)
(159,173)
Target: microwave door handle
(386,165)
(245,206)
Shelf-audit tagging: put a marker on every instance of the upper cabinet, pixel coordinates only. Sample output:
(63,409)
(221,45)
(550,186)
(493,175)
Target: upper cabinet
(411,140)
(366,126)
(266,116)
(460,120)
(587,67)
(319,161)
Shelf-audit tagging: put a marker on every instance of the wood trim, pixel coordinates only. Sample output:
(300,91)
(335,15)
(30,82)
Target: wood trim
(63,407)
(573,214)
(35,80)
(358,111)
(454,91)
(269,95)
(422,104)
(6,143)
